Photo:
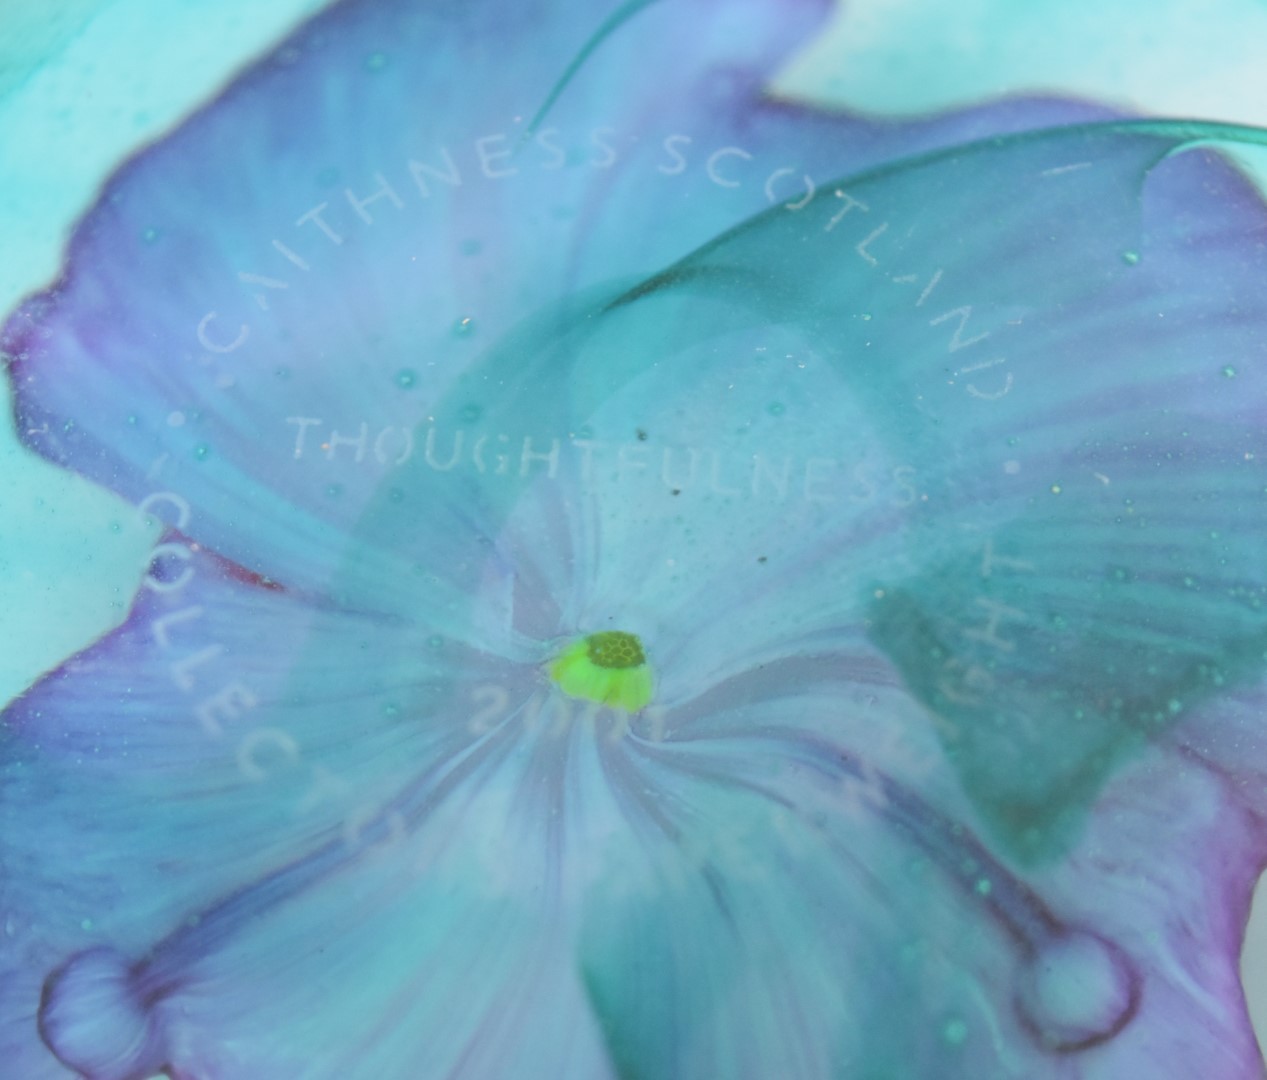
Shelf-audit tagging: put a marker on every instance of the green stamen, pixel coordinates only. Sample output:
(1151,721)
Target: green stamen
(609,668)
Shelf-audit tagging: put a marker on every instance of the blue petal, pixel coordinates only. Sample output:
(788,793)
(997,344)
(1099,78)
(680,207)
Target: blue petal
(228,747)
(201,340)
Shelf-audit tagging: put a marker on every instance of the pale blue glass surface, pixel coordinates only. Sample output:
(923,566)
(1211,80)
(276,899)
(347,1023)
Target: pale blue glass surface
(923,457)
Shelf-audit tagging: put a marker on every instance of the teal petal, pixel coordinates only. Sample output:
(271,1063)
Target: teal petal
(1067,583)
(824,910)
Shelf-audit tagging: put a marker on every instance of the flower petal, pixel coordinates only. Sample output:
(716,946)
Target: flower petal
(301,267)
(226,734)
(1081,429)
(788,937)
(415,912)
(830,912)
(442,950)
(886,382)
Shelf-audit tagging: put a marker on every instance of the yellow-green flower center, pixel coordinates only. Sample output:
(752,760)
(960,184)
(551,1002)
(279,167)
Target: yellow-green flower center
(608,667)
(615,649)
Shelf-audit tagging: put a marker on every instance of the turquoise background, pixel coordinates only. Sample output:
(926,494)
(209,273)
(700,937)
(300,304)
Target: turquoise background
(84,83)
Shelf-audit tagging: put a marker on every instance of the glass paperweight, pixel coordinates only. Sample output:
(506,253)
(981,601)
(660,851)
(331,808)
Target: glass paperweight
(607,571)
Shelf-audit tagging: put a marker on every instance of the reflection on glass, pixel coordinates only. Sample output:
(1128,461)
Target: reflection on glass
(645,590)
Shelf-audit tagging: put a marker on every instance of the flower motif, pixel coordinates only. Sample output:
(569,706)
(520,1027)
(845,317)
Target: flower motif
(642,596)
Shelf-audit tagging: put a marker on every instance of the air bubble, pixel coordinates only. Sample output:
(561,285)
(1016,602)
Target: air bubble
(96,1019)
(1076,991)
